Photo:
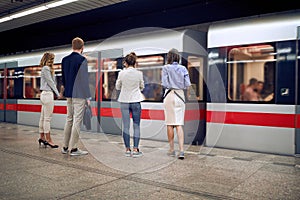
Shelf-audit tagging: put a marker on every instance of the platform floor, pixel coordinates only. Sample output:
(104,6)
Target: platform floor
(28,171)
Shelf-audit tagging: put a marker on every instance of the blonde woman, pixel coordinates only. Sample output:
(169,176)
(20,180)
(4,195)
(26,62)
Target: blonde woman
(48,86)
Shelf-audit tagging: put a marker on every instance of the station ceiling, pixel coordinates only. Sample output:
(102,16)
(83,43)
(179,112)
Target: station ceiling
(99,19)
(10,7)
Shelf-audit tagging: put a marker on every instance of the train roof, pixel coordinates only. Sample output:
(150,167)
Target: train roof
(280,27)
(142,42)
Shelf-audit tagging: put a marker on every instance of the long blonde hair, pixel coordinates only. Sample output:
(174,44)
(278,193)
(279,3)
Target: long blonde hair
(48,60)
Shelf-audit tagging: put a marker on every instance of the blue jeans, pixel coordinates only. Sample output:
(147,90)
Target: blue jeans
(135,110)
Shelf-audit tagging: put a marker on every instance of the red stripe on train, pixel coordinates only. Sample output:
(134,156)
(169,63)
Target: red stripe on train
(256,119)
(37,108)
(298,121)
(11,106)
(243,118)
(153,114)
(110,112)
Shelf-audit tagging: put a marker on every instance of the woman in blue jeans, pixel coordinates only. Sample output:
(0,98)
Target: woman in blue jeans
(130,82)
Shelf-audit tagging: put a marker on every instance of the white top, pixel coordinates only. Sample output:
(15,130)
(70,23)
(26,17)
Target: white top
(130,82)
(48,81)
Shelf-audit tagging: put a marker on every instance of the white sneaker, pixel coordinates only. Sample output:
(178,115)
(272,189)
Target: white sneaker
(136,154)
(78,152)
(64,150)
(128,153)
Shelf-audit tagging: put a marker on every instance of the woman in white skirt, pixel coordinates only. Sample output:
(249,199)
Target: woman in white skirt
(175,79)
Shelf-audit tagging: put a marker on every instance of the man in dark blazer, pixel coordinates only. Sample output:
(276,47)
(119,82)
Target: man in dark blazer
(77,92)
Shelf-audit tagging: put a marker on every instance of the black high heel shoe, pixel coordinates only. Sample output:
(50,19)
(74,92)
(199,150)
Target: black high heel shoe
(52,145)
(42,142)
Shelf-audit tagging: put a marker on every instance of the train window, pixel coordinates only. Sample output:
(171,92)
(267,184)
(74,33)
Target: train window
(11,77)
(32,81)
(195,68)
(1,84)
(109,78)
(151,66)
(31,86)
(92,73)
(58,78)
(298,75)
(251,72)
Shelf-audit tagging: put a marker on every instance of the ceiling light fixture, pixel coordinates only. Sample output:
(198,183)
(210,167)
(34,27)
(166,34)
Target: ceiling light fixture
(36,9)
(59,3)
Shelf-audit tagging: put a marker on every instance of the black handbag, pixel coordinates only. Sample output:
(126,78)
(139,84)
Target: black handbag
(87,117)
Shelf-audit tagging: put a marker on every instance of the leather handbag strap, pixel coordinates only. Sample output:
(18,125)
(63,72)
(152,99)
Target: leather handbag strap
(165,95)
(179,96)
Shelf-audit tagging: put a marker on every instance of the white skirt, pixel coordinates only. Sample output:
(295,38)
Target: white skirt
(174,108)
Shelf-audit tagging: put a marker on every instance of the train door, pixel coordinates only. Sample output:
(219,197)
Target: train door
(8,102)
(196,96)
(11,77)
(2,90)
(297,121)
(103,72)
(109,113)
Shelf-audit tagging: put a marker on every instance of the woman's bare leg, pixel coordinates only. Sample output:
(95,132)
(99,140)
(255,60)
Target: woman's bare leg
(180,135)
(170,131)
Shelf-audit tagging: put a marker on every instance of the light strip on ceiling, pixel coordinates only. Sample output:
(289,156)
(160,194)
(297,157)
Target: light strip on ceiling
(36,9)
(4,19)
(28,12)
(59,3)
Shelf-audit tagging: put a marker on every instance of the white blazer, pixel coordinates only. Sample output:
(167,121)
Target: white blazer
(130,82)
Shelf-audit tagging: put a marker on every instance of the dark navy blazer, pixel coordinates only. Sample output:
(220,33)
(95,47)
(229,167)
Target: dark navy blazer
(75,76)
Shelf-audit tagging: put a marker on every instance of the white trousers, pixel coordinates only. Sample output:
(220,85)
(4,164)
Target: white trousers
(47,99)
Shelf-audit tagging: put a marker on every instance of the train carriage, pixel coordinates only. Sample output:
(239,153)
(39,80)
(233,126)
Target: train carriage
(244,73)
(253,86)
(20,81)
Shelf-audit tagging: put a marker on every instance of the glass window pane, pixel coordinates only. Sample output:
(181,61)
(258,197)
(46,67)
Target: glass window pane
(32,78)
(58,78)
(151,66)
(32,81)
(1,84)
(11,77)
(251,71)
(109,78)
(195,68)
(92,71)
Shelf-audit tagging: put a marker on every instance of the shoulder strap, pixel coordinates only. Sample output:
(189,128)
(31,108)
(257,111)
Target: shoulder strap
(169,90)
(179,96)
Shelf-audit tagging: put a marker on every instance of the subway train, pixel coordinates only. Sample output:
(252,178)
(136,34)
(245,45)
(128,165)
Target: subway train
(244,74)
(20,81)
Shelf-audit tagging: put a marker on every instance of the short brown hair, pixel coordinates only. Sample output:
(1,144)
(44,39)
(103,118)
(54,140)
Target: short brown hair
(77,43)
(173,56)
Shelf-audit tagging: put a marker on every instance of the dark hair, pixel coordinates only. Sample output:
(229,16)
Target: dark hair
(252,81)
(130,59)
(173,56)
(77,43)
